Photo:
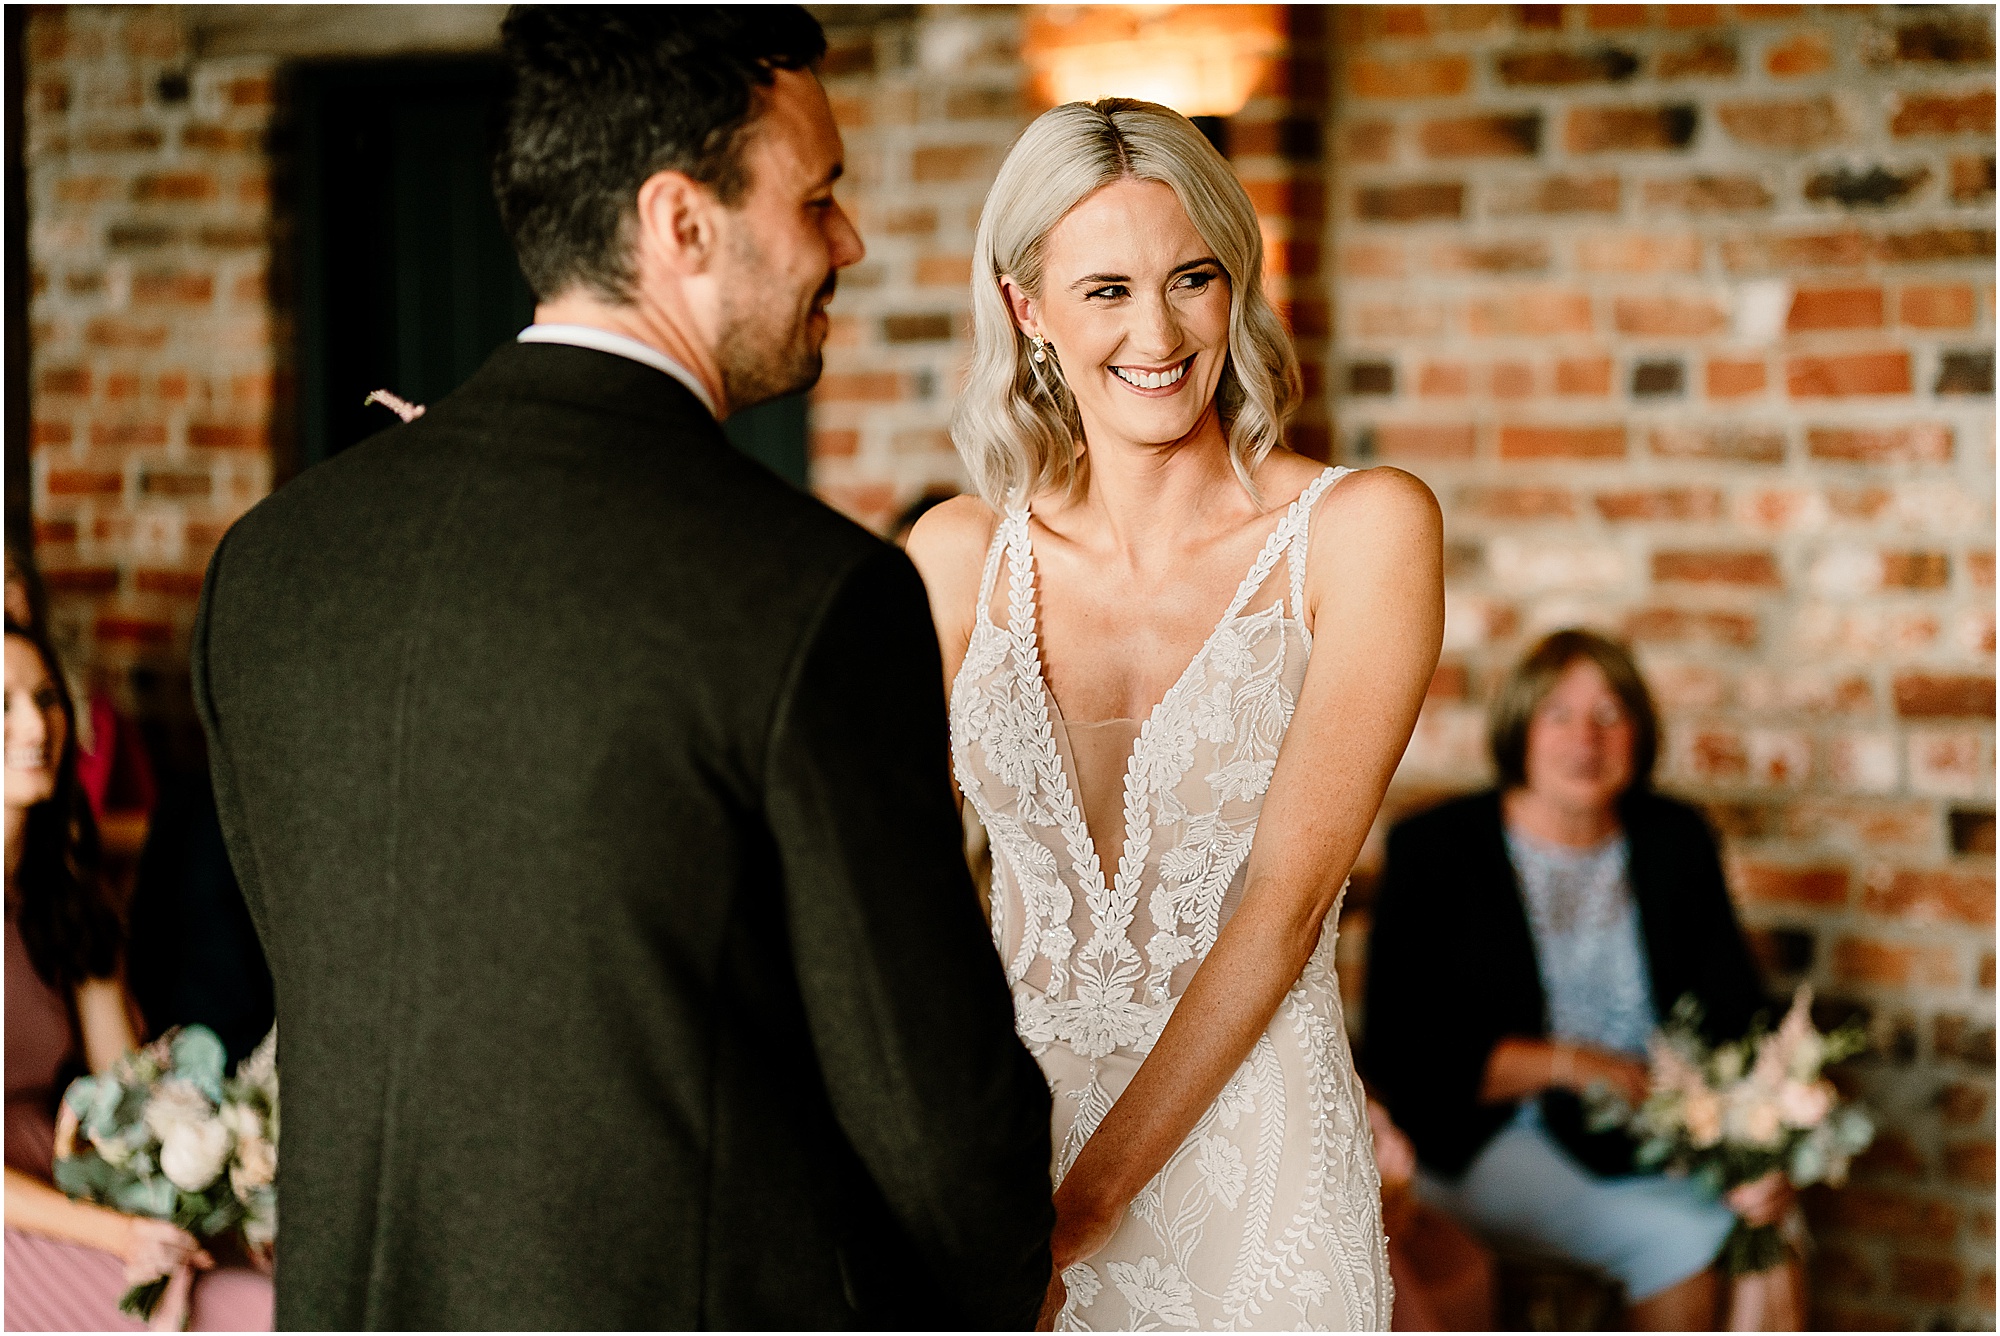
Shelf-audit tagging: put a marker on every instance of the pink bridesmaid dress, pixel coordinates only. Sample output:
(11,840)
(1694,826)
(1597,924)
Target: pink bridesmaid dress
(53,1285)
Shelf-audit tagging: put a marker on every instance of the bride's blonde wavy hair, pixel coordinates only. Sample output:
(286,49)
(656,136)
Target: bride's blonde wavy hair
(1016,424)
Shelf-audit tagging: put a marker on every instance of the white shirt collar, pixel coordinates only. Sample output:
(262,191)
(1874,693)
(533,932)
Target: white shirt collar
(604,341)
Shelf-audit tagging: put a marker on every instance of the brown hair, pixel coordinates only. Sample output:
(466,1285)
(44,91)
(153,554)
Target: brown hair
(68,923)
(1536,675)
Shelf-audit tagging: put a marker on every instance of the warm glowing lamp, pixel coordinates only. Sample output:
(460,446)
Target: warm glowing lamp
(1201,60)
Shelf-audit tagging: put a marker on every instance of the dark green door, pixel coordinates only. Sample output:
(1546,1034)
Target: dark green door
(407,281)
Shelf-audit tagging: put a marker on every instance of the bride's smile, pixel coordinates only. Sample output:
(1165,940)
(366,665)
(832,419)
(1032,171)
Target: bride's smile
(1168,380)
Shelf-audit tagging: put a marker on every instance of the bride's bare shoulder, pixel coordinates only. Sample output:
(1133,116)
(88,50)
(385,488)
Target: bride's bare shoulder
(1383,515)
(949,547)
(1389,494)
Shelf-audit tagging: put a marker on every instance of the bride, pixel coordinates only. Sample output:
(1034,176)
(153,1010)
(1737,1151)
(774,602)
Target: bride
(1183,664)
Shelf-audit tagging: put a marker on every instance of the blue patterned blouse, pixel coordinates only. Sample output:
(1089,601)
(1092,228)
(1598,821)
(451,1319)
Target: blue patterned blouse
(1588,941)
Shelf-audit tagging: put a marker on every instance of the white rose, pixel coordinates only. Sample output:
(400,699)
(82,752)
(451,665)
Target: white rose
(192,1154)
(256,1165)
(173,1103)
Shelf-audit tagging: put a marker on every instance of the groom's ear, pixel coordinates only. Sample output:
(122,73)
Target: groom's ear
(677,221)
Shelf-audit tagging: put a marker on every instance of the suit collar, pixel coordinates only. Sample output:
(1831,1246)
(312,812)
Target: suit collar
(587,378)
(605,341)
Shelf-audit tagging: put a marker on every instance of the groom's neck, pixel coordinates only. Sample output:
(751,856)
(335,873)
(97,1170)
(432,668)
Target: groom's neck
(667,331)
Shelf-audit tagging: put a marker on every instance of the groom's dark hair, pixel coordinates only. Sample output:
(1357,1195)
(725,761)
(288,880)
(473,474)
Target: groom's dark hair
(607,95)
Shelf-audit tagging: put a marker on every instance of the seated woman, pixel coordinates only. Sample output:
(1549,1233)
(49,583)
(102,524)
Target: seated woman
(68,1261)
(1527,940)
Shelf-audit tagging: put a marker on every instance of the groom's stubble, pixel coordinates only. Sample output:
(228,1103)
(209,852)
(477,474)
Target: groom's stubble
(771,343)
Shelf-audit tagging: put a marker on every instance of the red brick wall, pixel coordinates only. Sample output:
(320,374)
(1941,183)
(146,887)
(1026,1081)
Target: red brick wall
(1686,313)
(928,100)
(1277,144)
(154,342)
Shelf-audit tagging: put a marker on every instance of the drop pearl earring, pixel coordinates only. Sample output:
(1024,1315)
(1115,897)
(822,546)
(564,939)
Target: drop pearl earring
(1041,347)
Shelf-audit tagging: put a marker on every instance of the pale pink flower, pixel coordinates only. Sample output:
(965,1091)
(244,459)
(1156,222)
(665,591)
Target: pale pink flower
(1673,1072)
(1795,1047)
(1805,1105)
(1702,1112)
(1762,1125)
(256,1165)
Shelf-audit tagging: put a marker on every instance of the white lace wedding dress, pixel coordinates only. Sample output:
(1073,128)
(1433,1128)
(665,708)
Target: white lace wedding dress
(1269,1215)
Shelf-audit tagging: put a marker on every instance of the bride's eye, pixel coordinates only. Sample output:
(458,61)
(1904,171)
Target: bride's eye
(1199,280)
(1109,292)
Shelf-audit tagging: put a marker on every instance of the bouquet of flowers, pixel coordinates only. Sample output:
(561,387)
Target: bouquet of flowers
(163,1134)
(1732,1113)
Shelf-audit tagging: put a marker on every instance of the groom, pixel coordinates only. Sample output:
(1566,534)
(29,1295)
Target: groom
(588,784)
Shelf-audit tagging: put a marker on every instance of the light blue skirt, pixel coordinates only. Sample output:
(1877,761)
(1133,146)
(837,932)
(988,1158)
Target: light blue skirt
(1647,1231)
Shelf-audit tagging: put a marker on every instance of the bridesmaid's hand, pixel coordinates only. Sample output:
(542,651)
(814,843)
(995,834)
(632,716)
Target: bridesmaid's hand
(172,1313)
(1762,1201)
(66,1127)
(1586,1065)
(154,1248)
(1395,1157)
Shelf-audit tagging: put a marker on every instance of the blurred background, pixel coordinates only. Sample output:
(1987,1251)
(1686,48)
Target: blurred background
(1685,312)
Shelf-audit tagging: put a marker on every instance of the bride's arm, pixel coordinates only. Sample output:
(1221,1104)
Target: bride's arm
(1376,582)
(948,547)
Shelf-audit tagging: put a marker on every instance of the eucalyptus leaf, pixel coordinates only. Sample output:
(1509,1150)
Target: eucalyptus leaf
(1808,1163)
(142,1299)
(82,1176)
(218,1218)
(81,1095)
(154,1198)
(130,1110)
(200,1058)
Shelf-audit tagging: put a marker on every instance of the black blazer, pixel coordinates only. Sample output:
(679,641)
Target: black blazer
(1452,967)
(588,786)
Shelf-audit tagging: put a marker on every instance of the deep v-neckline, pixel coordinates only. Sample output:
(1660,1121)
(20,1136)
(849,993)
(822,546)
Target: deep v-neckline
(1025,605)
(1259,572)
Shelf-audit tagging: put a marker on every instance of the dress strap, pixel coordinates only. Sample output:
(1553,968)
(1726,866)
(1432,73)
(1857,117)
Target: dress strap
(987,577)
(1302,534)
(1012,542)
(1298,516)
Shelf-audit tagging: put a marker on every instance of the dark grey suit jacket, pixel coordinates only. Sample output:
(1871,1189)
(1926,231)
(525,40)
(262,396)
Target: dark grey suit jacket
(588,786)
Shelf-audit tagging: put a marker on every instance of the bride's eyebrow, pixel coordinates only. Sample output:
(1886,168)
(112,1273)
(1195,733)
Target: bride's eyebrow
(1094,280)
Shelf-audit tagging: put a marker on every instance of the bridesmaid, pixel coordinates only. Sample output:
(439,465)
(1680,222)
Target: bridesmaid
(68,1261)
